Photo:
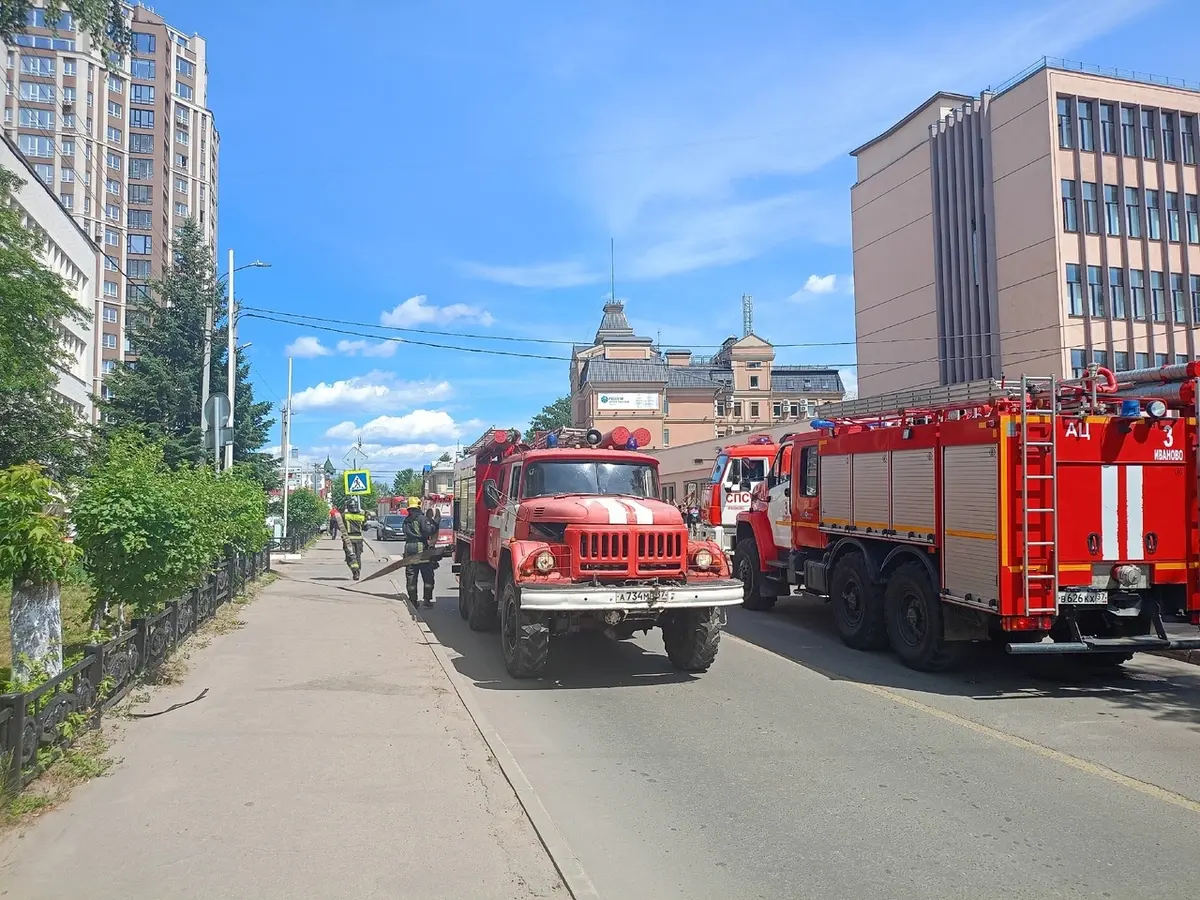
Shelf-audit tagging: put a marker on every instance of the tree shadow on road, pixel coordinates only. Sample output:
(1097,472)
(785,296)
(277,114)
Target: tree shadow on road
(577,662)
(801,629)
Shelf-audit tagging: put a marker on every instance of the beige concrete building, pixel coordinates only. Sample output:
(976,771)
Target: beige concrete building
(132,152)
(624,379)
(69,253)
(1047,223)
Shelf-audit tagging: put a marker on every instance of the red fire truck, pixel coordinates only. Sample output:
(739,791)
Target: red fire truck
(738,470)
(1059,517)
(567,533)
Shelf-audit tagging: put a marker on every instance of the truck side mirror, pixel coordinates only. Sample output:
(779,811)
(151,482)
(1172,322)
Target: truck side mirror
(787,492)
(491,494)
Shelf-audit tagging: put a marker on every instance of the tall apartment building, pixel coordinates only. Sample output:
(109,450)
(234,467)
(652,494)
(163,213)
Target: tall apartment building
(131,150)
(1051,222)
(624,379)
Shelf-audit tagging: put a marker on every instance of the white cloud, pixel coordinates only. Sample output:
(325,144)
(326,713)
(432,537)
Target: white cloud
(375,390)
(307,347)
(419,311)
(849,382)
(368,348)
(818,285)
(539,275)
(420,423)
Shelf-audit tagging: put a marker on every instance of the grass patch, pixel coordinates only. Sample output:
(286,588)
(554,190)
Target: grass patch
(76,623)
(87,759)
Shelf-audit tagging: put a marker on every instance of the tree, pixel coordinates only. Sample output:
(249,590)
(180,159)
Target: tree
(445,457)
(306,511)
(102,20)
(40,427)
(553,415)
(159,394)
(34,556)
(406,483)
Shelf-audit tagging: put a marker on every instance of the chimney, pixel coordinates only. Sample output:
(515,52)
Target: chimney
(679,357)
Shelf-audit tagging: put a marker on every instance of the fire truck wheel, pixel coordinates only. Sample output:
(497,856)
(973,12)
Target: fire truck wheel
(746,569)
(914,622)
(857,605)
(466,581)
(482,614)
(691,637)
(525,638)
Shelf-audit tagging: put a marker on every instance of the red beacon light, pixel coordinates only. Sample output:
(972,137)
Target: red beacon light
(759,439)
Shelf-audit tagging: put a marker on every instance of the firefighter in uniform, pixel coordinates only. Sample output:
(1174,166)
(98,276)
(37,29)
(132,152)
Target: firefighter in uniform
(417,537)
(352,535)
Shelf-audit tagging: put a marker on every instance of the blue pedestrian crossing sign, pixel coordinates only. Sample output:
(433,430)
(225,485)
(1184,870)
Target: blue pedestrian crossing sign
(357,481)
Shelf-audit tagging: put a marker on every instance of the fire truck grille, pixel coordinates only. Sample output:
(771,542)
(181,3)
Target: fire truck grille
(636,553)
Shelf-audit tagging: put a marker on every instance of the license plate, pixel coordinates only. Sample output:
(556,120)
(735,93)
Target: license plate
(647,597)
(1083,597)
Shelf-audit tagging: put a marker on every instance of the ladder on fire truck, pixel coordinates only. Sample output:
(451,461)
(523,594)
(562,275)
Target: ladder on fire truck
(1041,553)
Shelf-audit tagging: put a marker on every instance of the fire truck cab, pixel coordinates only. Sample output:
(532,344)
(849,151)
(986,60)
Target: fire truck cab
(737,472)
(566,533)
(1058,517)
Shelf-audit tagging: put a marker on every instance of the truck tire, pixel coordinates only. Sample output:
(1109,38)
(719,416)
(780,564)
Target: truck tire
(466,584)
(482,614)
(858,604)
(915,624)
(691,637)
(524,638)
(746,569)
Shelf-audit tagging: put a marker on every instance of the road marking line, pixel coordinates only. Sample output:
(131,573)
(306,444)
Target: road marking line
(1075,762)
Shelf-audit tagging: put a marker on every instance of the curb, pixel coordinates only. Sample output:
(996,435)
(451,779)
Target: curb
(1188,656)
(569,868)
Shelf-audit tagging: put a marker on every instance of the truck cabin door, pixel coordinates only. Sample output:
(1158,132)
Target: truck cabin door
(806,504)
(743,474)
(779,497)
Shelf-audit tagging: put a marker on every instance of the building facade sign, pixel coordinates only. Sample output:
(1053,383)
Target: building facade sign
(628,401)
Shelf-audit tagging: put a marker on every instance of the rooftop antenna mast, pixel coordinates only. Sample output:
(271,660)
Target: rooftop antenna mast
(747,315)
(612,270)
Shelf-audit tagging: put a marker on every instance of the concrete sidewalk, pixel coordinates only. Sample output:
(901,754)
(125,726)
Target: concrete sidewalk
(330,759)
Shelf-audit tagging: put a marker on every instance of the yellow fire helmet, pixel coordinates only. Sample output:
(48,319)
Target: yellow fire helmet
(414,502)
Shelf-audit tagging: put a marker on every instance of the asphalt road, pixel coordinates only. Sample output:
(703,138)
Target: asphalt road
(797,768)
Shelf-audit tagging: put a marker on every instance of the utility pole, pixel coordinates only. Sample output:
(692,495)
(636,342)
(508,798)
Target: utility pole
(287,446)
(231,366)
(204,376)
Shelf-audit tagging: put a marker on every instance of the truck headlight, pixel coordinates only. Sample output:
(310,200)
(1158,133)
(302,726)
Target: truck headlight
(703,559)
(544,562)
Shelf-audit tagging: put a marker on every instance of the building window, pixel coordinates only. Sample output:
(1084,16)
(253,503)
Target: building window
(143,43)
(720,409)
(36,92)
(1133,212)
(135,293)
(141,118)
(1116,291)
(1160,360)
(1191,206)
(737,409)
(1070,210)
(139,218)
(181,185)
(140,243)
(1112,210)
(1137,293)
(1064,123)
(45,172)
(1181,359)
(111,237)
(754,381)
(1091,208)
(141,143)
(1148,139)
(36,146)
(67,175)
(1168,136)
(754,409)
(1121,361)
(142,68)
(69,66)
(67,200)
(112,212)
(1095,292)
(1194,289)
(114,109)
(1178,299)
(36,118)
(181,115)
(182,138)
(1086,141)
(110,263)
(1128,132)
(776,410)
(184,91)
(68,148)
(1078,363)
(1108,128)
(181,160)
(1100,358)
(1074,290)
(138,268)
(114,134)
(141,168)
(1187,136)
(666,437)
(139,194)
(37,65)
(1173,217)
(110,342)
(185,68)
(1157,298)
(112,186)
(108,367)
(141,93)
(110,289)
(1153,222)
(113,161)
(110,314)
(1141,360)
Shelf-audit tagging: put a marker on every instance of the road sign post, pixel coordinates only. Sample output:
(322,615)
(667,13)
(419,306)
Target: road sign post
(356,482)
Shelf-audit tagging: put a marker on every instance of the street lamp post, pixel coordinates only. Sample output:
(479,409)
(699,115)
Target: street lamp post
(231,353)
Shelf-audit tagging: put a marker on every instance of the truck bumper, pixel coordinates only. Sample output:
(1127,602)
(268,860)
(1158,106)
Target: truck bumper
(1105,645)
(592,598)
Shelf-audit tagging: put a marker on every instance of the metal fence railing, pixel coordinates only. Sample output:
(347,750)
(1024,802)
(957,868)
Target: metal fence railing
(33,724)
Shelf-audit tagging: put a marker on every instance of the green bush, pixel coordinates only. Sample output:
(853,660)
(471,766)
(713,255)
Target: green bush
(306,511)
(33,540)
(149,533)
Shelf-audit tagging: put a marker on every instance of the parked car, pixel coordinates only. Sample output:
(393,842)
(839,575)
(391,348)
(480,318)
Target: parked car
(390,528)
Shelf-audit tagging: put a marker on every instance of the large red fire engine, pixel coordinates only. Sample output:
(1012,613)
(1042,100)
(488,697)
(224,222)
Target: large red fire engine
(738,470)
(1060,517)
(568,533)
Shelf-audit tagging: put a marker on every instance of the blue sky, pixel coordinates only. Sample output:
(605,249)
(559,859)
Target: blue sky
(461,166)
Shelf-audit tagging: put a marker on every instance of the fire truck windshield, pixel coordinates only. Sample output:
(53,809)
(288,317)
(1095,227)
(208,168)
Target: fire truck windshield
(719,469)
(546,479)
